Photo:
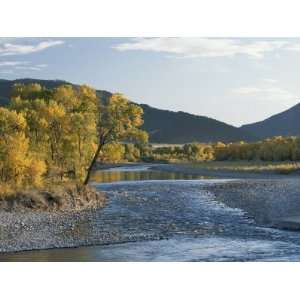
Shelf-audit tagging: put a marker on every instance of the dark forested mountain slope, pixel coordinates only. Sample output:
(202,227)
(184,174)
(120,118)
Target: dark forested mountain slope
(166,126)
(6,86)
(163,126)
(286,123)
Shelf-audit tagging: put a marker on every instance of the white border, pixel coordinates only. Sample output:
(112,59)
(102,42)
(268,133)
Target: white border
(213,18)
(149,281)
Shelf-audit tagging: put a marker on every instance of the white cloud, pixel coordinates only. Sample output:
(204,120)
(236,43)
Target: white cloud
(208,47)
(269,80)
(7,49)
(204,47)
(6,72)
(20,65)
(12,63)
(248,90)
(266,93)
(31,68)
(42,65)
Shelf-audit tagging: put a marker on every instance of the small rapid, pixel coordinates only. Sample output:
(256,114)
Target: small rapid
(167,219)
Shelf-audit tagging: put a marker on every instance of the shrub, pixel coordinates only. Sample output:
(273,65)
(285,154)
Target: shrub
(70,198)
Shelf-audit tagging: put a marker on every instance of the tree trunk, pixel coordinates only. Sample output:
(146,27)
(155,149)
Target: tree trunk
(89,171)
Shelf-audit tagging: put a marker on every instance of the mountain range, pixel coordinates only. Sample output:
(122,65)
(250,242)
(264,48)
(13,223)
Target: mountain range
(286,123)
(164,126)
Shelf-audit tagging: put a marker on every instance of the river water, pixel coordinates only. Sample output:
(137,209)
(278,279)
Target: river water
(163,216)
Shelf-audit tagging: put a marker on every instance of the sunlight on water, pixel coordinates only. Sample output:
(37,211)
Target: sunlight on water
(161,216)
(139,173)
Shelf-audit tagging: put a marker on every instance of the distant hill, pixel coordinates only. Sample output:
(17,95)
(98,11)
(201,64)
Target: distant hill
(166,126)
(6,86)
(286,123)
(163,126)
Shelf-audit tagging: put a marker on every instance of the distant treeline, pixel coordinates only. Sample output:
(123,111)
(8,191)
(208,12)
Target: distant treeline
(273,149)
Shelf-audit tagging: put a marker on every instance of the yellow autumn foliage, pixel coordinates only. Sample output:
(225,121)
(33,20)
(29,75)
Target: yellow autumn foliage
(52,135)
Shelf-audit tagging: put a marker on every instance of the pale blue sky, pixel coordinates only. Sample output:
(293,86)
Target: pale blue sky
(234,80)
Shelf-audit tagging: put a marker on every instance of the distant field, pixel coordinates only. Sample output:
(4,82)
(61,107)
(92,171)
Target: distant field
(155,145)
(251,166)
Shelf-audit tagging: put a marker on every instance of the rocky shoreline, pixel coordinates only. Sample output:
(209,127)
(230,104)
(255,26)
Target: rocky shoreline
(43,230)
(271,198)
(266,200)
(41,219)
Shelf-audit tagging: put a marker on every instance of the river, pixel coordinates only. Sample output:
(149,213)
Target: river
(165,216)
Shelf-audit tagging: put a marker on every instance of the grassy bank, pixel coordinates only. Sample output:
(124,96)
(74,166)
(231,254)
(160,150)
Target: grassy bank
(61,198)
(286,167)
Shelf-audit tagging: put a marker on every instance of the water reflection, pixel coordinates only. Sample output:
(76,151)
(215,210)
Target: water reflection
(57,255)
(170,221)
(176,249)
(119,174)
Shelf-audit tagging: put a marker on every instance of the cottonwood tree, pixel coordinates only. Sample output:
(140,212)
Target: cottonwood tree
(61,126)
(113,152)
(118,120)
(17,165)
(67,127)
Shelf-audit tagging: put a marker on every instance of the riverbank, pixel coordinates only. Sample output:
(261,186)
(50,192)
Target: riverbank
(43,230)
(167,220)
(196,169)
(269,196)
(68,197)
(47,218)
(154,210)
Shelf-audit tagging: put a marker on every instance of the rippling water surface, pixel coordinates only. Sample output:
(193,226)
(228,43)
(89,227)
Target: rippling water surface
(173,217)
(139,173)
